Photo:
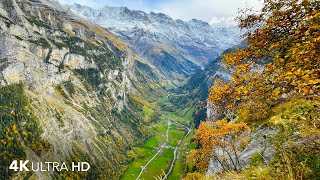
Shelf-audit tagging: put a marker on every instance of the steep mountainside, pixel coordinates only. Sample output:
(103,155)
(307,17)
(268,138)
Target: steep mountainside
(70,90)
(177,48)
(197,87)
(199,84)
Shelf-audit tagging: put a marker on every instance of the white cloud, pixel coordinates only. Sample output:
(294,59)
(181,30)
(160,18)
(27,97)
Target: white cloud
(207,10)
(222,21)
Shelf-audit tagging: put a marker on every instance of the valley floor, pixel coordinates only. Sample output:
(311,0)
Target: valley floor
(163,156)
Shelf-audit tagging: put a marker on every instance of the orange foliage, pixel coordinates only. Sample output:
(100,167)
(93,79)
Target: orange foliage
(281,60)
(15,129)
(221,135)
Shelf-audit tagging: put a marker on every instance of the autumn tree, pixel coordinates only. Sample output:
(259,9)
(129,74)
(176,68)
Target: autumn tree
(222,141)
(281,59)
(18,128)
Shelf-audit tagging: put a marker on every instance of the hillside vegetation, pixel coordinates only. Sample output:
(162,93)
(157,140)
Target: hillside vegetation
(275,84)
(70,91)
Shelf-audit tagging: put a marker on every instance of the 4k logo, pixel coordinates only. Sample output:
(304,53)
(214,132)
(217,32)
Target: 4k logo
(23,165)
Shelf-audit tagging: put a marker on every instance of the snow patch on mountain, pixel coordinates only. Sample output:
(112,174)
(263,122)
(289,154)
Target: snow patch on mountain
(162,28)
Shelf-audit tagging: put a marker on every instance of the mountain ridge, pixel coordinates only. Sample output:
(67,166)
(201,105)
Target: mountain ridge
(191,44)
(70,90)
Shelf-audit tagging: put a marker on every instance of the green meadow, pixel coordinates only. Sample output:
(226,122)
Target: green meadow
(161,163)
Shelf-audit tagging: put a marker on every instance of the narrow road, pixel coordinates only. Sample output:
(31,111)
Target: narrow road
(169,122)
(167,135)
(175,152)
(158,152)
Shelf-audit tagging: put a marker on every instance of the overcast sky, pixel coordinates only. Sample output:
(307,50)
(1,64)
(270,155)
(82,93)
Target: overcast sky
(212,11)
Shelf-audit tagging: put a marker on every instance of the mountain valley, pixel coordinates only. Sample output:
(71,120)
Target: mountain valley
(141,95)
(87,94)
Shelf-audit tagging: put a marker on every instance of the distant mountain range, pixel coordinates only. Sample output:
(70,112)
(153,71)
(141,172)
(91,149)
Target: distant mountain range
(177,48)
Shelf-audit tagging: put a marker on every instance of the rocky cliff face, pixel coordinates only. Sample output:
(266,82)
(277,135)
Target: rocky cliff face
(177,48)
(78,81)
(260,145)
